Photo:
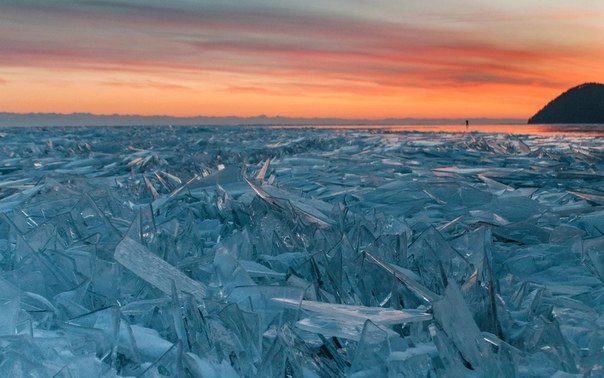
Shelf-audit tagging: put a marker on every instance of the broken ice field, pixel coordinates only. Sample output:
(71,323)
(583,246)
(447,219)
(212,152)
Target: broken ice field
(270,252)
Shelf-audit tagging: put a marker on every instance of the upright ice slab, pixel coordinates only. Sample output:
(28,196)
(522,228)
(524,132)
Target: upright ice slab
(156,271)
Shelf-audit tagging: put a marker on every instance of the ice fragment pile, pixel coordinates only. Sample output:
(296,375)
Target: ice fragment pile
(226,252)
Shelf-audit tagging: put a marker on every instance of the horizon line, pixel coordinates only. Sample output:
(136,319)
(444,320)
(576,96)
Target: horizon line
(271,119)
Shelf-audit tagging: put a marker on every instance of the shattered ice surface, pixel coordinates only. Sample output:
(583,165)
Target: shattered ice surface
(227,252)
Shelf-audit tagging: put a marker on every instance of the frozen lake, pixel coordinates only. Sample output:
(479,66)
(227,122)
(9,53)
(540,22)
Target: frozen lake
(309,252)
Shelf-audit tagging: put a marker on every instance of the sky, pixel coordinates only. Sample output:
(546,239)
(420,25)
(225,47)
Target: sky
(313,58)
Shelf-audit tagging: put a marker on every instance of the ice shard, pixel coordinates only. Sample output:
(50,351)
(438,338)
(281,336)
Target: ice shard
(256,251)
(453,315)
(359,313)
(156,271)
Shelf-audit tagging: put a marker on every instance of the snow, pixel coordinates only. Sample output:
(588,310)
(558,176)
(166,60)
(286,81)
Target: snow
(189,251)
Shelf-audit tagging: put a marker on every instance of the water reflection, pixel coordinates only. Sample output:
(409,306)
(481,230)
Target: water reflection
(577,130)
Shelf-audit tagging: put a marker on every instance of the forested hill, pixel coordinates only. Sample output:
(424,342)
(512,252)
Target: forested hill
(581,104)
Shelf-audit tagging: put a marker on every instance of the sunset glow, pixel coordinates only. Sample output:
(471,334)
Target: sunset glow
(349,59)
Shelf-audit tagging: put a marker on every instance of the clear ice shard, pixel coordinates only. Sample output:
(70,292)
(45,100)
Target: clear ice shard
(255,269)
(377,315)
(269,302)
(372,351)
(149,342)
(10,310)
(142,262)
(453,315)
(203,367)
(308,209)
(431,253)
(229,274)
(336,327)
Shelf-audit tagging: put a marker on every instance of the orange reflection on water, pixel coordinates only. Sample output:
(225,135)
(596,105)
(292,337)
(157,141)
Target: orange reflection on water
(577,130)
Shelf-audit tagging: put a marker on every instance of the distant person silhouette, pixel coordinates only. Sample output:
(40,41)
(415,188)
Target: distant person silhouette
(467,125)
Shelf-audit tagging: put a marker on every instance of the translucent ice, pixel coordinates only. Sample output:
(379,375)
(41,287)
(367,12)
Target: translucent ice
(453,315)
(331,327)
(154,270)
(10,311)
(252,251)
(373,350)
(149,342)
(360,313)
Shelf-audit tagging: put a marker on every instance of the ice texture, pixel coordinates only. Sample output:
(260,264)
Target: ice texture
(302,252)
(156,271)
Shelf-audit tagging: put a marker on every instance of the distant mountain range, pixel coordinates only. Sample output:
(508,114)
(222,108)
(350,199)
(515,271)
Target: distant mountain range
(581,104)
(87,119)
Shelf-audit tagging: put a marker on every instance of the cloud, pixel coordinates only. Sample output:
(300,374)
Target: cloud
(280,47)
(147,84)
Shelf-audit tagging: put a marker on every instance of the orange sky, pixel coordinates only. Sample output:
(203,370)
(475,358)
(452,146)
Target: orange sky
(349,59)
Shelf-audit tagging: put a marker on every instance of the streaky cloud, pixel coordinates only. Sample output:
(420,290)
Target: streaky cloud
(257,40)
